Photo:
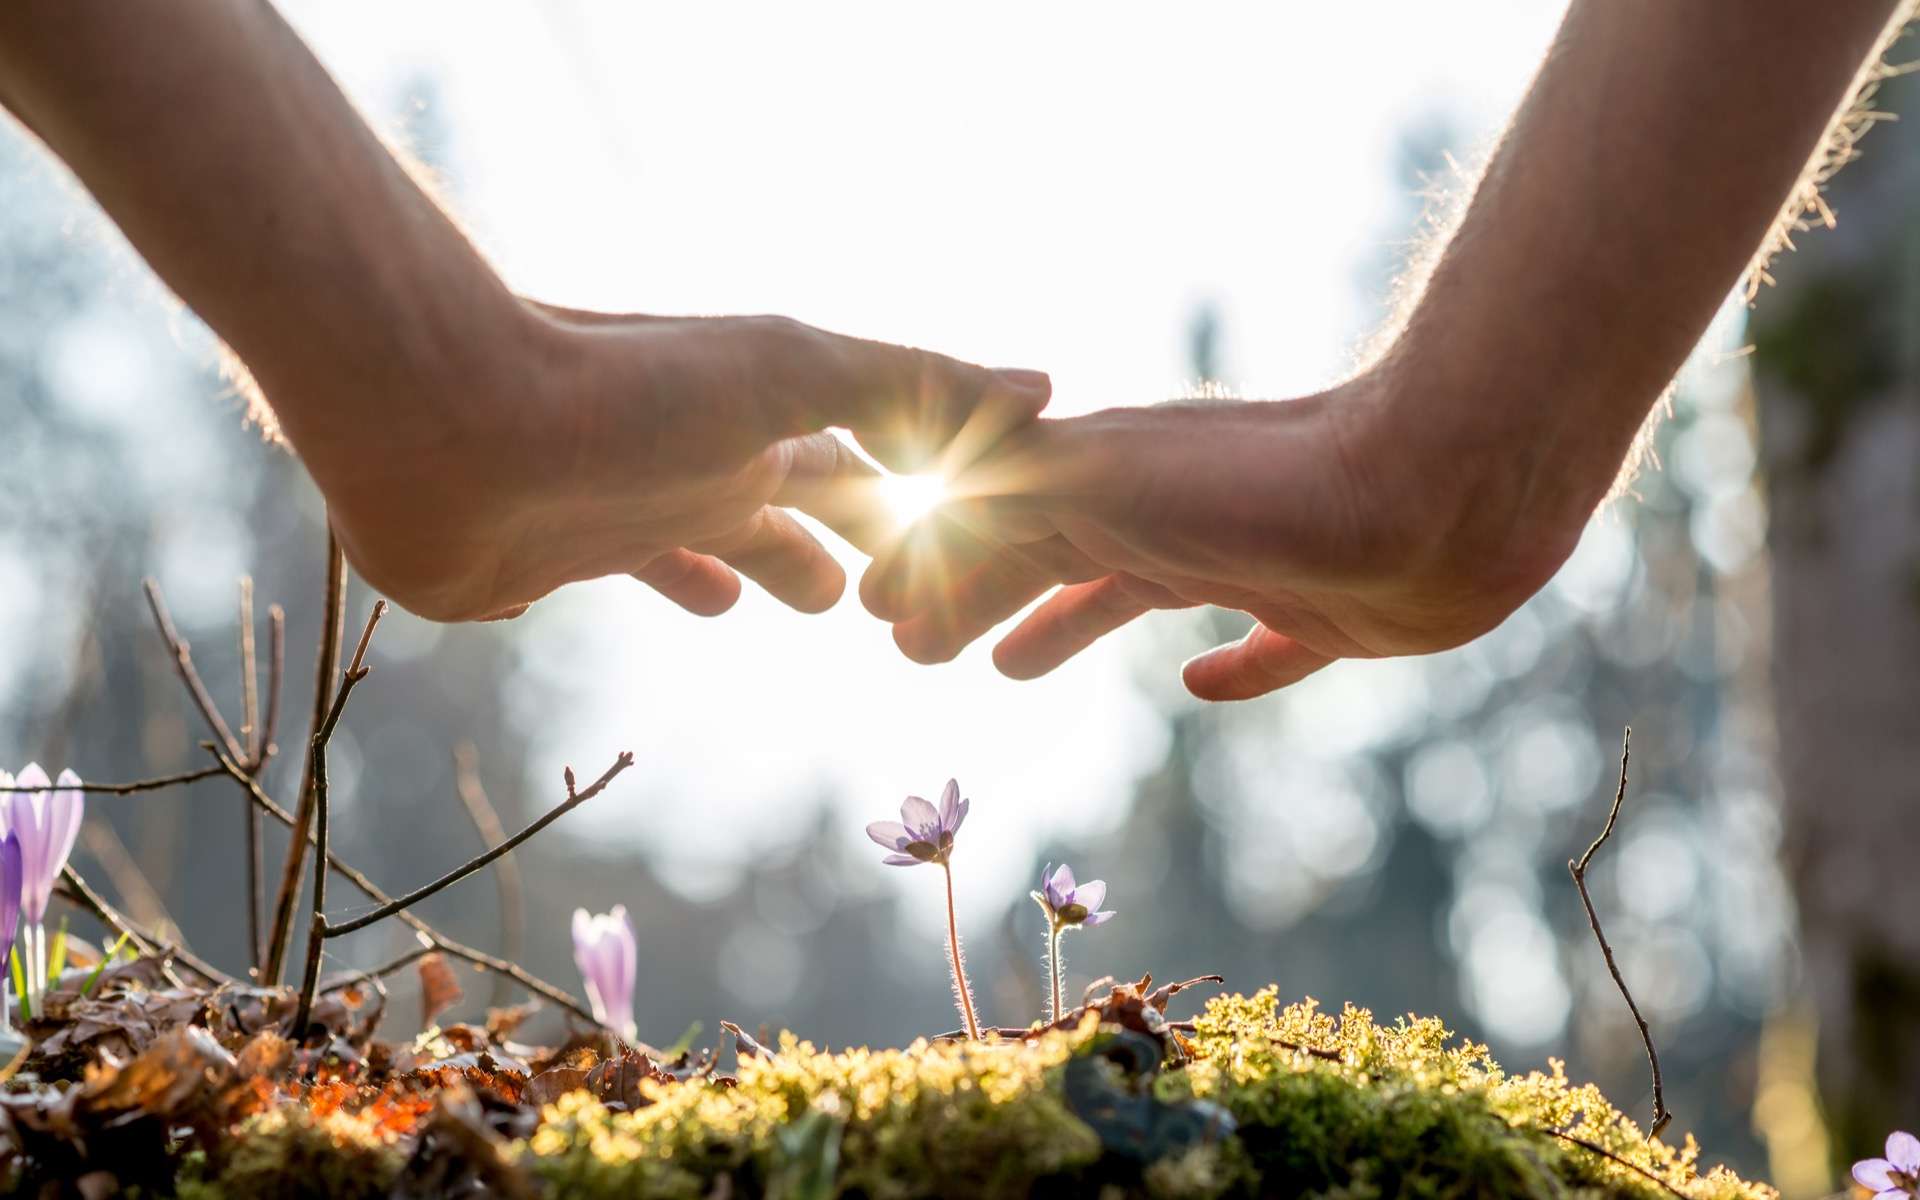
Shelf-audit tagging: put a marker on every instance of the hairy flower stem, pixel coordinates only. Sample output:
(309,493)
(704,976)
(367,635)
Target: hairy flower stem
(961,990)
(1053,970)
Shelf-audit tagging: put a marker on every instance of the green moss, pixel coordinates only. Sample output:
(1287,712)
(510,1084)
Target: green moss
(1405,1111)
(292,1154)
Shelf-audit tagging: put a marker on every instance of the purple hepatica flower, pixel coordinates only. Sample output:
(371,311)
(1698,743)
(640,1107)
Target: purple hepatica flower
(46,822)
(603,949)
(1897,1175)
(923,834)
(1071,905)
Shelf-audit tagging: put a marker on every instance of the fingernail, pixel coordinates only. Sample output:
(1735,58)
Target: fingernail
(1027,381)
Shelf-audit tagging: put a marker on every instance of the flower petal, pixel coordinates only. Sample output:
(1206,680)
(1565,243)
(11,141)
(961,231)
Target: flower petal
(1058,886)
(1875,1173)
(901,860)
(1092,893)
(920,816)
(1903,1151)
(65,810)
(1099,918)
(9,888)
(950,805)
(891,834)
(959,815)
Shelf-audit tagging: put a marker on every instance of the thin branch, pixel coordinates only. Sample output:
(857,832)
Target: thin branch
(373,892)
(183,666)
(251,735)
(332,633)
(276,672)
(265,749)
(383,970)
(317,756)
(138,785)
(75,889)
(1578,869)
(1610,1156)
(249,676)
(506,873)
(135,889)
(574,800)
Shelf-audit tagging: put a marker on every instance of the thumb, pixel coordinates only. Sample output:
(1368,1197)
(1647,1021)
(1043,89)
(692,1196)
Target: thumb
(1261,662)
(913,410)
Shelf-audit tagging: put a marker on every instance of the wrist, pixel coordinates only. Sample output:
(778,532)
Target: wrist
(1487,497)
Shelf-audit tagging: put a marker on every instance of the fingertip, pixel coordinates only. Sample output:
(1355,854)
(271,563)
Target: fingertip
(1008,660)
(924,644)
(1261,663)
(1204,675)
(1034,386)
(714,602)
(823,592)
(883,588)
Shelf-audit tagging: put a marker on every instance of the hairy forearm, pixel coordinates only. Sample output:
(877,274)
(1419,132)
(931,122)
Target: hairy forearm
(233,163)
(1646,165)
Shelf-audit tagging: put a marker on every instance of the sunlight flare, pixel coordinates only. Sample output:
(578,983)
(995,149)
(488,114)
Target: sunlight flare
(911,497)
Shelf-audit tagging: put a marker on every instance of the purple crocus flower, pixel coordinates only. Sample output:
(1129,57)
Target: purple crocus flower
(1895,1177)
(9,888)
(604,950)
(46,822)
(923,834)
(9,905)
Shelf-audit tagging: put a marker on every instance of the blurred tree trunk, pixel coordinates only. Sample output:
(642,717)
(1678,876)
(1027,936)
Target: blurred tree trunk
(1837,377)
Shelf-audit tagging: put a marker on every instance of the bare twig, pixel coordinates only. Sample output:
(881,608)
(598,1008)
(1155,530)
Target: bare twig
(506,872)
(183,666)
(254,744)
(373,892)
(250,734)
(138,785)
(276,671)
(249,676)
(385,969)
(1578,869)
(75,889)
(138,893)
(264,750)
(574,800)
(317,756)
(1610,1156)
(332,633)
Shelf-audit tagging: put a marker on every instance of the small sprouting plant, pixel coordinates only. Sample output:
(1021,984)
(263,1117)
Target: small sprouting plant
(1068,905)
(604,950)
(924,834)
(1895,1177)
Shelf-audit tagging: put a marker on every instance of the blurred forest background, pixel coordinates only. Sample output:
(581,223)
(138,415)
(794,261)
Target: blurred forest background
(1395,834)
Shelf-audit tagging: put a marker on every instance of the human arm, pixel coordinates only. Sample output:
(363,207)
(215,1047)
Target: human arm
(1416,505)
(475,450)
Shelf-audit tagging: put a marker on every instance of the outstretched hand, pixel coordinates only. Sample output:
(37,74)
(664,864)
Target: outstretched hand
(664,448)
(1321,517)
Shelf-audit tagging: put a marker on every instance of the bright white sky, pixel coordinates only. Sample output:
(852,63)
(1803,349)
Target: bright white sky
(1050,186)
